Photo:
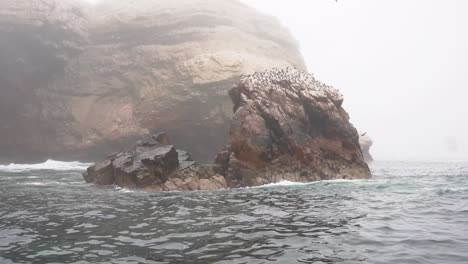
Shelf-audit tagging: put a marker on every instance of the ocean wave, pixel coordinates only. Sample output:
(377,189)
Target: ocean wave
(48,165)
(335,181)
(283,183)
(124,190)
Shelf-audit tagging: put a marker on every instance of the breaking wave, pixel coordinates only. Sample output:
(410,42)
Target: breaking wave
(48,165)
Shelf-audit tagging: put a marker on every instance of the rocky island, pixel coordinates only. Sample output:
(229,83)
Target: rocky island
(81,81)
(289,126)
(286,126)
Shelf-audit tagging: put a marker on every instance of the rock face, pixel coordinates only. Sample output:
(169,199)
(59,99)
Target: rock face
(289,126)
(366,143)
(80,81)
(286,126)
(154,165)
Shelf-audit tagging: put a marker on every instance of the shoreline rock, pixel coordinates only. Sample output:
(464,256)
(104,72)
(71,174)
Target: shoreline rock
(286,126)
(289,126)
(153,164)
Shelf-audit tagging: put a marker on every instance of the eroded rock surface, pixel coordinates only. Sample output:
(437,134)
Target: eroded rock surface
(154,165)
(286,126)
(289,126)
(78,81)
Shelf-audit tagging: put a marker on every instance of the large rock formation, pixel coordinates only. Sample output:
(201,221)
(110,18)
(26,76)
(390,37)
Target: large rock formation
(289,126)
(78,82)
(286,126)
(154,165)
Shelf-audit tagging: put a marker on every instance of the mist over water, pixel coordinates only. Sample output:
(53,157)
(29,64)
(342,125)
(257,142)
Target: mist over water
(408,213)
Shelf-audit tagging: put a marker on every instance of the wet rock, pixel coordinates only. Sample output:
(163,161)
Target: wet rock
(153,164)
(289,126)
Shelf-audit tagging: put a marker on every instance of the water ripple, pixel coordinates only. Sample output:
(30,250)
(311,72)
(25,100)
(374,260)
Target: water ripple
(408,213)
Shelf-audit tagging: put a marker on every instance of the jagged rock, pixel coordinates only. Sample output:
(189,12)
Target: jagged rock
(289,126)
(78,82)
(154,165)
(366,143)
(286,126)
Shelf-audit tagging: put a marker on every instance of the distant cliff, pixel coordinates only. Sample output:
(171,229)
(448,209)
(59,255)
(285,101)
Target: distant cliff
(80,81)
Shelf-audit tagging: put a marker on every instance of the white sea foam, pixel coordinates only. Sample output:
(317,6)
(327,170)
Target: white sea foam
(35,183)
(48,165)
(283,183)
(124,190)
(291,183)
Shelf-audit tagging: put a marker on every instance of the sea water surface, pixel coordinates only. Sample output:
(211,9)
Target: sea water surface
(407,213)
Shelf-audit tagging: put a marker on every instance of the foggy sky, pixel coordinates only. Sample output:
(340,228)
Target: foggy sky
(401,65)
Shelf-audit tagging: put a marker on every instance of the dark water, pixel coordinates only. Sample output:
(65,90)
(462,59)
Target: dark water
(408,213)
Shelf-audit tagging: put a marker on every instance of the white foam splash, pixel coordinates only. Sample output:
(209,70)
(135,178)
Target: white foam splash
(283,183)
(291,183)
(48,165)
(124,190)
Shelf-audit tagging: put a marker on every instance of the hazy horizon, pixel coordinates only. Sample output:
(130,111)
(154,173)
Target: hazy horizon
(402,66)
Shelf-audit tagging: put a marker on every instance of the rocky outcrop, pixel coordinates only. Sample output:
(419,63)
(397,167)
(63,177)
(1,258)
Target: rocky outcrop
(289,126)
(154,165)
(78,81)
(366,143)
(286,126)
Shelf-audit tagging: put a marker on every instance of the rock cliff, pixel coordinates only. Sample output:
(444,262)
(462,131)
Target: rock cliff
(80,81)
(289,126)
(286,126)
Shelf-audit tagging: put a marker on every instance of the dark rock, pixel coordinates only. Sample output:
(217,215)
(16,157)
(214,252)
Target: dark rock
(289,126)
(100,173)
(153,165)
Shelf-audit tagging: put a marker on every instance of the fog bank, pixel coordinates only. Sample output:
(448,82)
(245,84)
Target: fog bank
(402,66)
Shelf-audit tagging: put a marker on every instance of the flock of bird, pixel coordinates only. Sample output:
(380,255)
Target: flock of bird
(295,78)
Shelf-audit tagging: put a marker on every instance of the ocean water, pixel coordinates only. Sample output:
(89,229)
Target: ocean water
(408,212)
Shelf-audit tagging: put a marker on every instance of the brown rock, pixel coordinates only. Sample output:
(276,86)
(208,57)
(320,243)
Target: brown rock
(192,185)
(207,185)
(289,126)
(220,181)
